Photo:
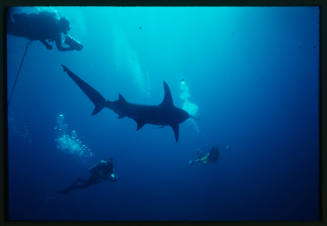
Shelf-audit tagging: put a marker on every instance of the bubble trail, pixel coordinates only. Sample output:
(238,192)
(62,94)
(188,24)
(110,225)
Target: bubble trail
(68,141)
(188,106)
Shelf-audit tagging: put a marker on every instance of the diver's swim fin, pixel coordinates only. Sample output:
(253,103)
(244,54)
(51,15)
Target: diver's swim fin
(97,99)
(64,192)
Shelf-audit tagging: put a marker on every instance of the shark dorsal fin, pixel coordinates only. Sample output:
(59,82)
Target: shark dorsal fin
(168,100)
(121,98)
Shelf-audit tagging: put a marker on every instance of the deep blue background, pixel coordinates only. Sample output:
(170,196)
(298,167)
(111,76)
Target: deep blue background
(253,72)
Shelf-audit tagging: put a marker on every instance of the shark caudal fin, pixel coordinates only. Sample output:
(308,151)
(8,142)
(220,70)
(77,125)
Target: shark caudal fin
(93,95)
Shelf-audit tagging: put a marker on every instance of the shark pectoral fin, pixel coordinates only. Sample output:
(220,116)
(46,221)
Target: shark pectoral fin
(139,125)
(176,131)
(97,109)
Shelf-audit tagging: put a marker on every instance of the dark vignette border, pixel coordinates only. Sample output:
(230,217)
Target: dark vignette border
(322,103)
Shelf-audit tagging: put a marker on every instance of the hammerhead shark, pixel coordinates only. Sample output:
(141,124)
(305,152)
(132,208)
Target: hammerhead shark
(164,114)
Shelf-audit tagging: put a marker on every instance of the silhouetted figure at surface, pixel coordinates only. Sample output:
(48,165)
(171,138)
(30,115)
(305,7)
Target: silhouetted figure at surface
(209,157)
(45,27)
(100,172)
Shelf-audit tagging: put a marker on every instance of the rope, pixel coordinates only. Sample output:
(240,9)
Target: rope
(18,72)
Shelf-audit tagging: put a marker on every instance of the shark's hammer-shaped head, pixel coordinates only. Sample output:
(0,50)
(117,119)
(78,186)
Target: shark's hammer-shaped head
(181,115)
(174,115)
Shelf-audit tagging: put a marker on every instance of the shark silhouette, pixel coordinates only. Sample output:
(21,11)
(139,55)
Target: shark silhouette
(164,114)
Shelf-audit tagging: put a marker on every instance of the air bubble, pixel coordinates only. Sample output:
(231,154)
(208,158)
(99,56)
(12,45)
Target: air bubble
(68,141)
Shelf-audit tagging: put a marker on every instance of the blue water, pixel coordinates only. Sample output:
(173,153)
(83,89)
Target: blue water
(251,76)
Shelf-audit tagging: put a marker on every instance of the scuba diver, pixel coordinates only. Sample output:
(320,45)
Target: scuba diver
(209,157)
(102,171)
(45,27)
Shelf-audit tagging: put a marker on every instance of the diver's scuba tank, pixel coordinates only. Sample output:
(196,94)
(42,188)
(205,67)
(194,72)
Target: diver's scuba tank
(69,40)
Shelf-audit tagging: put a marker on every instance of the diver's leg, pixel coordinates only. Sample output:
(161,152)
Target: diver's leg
(80,180)
(85,183)
(82,183)
(74,185)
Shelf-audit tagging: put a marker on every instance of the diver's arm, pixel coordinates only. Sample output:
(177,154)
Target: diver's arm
(58,41)
(46,43)
(101,176)
(109,178)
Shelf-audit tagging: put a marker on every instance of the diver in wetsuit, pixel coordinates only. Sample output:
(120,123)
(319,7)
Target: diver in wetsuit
(45,27)
(209,157)
(102,171)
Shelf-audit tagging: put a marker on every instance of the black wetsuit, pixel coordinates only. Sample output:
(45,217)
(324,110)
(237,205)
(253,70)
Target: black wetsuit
(214,154)
(211,156)
(103,171)
(34,26)
(43,26)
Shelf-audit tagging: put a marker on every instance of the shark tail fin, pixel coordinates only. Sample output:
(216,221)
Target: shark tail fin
(97,99)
